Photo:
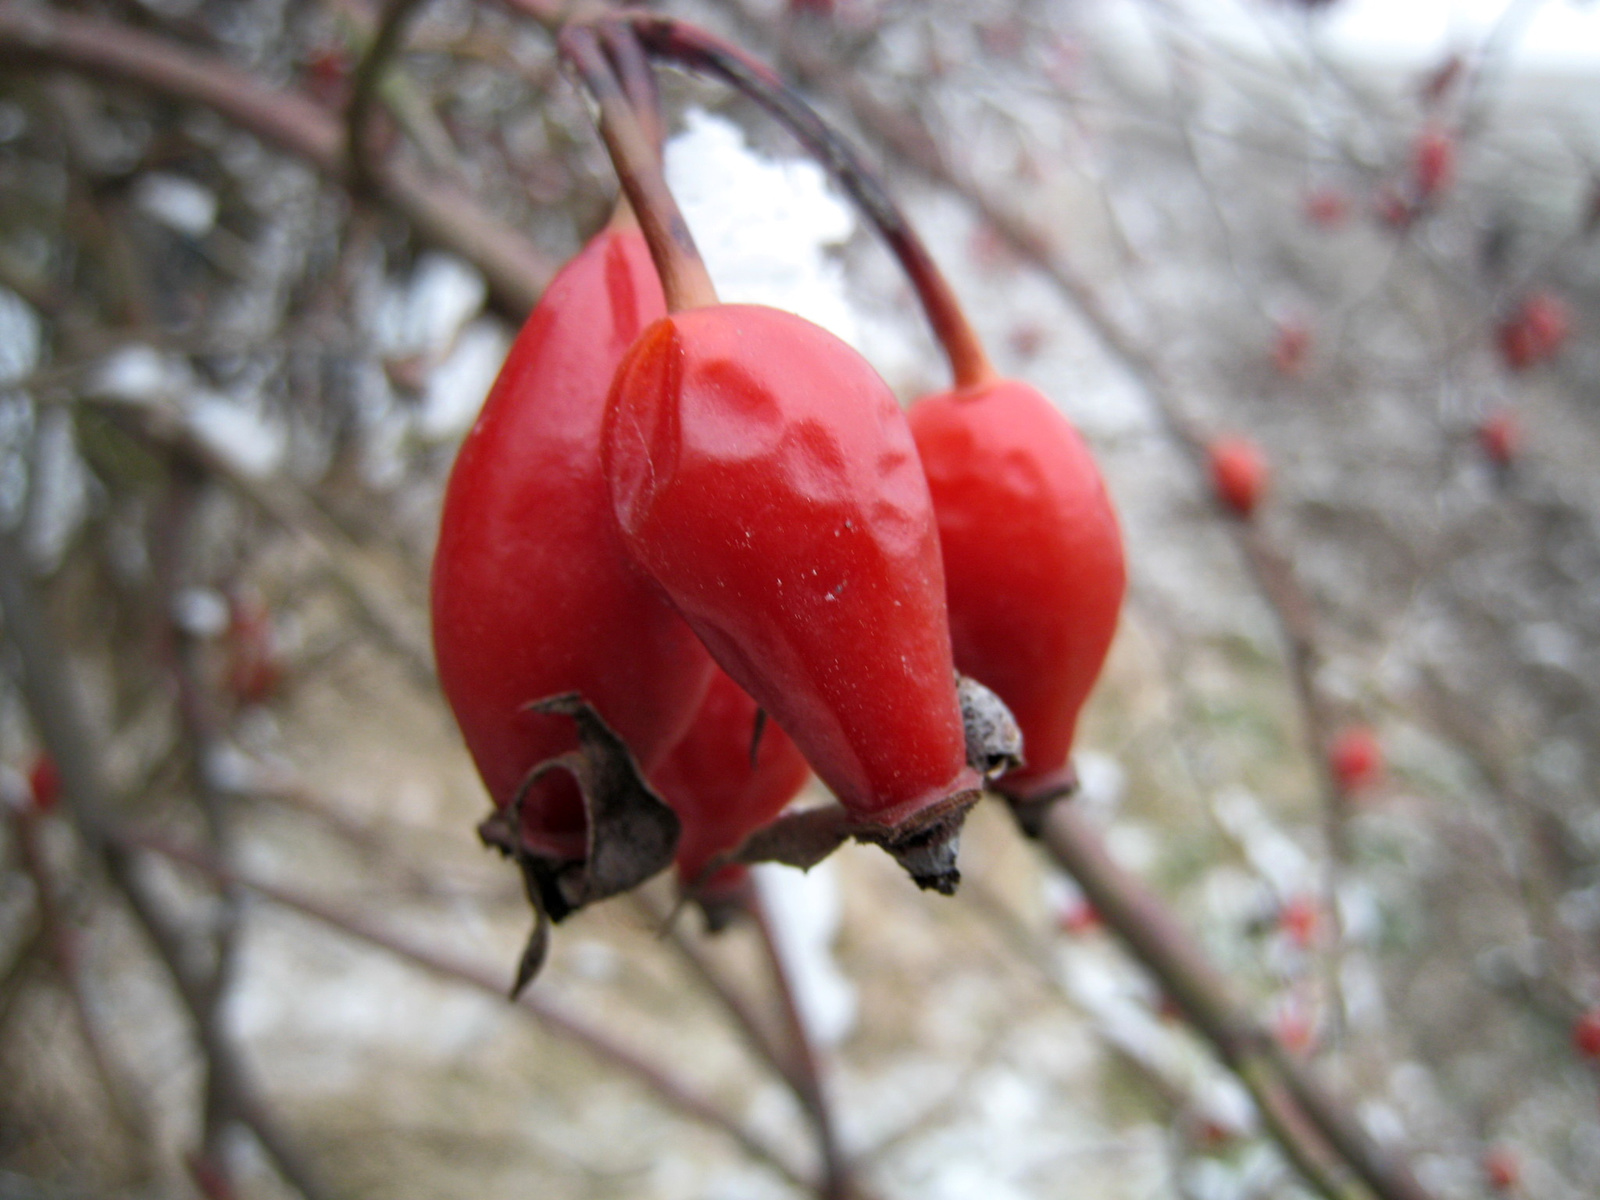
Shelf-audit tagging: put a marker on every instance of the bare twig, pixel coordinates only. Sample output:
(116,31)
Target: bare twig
(839,1182)
(658,1079)
(57,715)
(1316,1131)
(62,941)
(363,158)
(516,270)
(198,721)
(684,278)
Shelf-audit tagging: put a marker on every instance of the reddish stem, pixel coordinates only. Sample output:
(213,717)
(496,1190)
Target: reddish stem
(684,278)
(696,50)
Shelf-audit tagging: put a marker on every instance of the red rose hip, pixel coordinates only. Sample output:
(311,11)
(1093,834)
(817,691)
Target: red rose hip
(1238,473)
(1033,561)
(532,593)
(765,477)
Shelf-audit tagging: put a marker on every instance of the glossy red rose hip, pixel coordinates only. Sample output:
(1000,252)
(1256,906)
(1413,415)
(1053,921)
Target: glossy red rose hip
(1033,560)
(764,475)
(532,593)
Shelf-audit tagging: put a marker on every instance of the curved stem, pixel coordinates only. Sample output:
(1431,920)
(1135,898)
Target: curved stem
(698,51)
(684,278)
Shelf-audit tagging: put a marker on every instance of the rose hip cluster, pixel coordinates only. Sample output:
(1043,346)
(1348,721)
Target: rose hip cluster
(692,551)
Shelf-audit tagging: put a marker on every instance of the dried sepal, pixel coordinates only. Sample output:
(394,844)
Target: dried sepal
(631,833)
(926,849)
(994,739)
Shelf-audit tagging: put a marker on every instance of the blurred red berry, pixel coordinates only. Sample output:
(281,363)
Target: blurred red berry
(1291,347)
(1293,1028)
(1078,917)
(1238,472)
(1586,1034)
(44,783)
(254,669)
(1535,331)
(1355,758)
(1501,1168)
(1433,161)
(328,72)
(1300,919)
(1327,207)
(1500,437)
(1393,209)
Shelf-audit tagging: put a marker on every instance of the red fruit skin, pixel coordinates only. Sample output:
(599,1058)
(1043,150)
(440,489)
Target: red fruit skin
(1033,559)
(1327,207)
(1355,758)
(1586,1034)
(764,475)
(254,670)
(1238,472)
(1502,1169)
(1291,347)
(1433,162)
(532,593)
(1500,438)
(1301,921)
(719,796)
(44,784)
(1536,331)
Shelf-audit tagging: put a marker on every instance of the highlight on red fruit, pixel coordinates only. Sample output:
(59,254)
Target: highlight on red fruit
(1238,473)
(1433,161)
(1501,1168)
(1355,758)
(1500,437)
(44,783)
(1535,330)
(1586,1034)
